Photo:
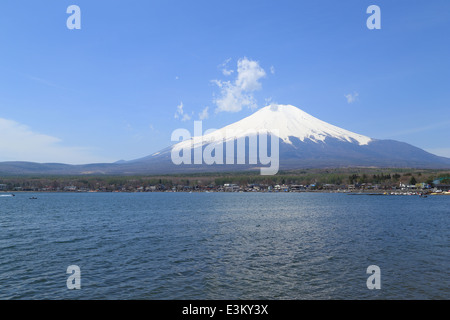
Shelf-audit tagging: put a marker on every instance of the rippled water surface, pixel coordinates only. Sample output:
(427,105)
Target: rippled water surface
(224,246)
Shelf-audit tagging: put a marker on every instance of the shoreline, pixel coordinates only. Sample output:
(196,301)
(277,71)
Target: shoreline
(362,193)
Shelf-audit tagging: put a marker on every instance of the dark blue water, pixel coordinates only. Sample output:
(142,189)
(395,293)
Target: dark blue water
(224,246)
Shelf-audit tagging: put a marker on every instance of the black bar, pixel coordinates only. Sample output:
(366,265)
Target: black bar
(223,309)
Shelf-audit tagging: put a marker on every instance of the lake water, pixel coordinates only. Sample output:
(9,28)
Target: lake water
(224,246)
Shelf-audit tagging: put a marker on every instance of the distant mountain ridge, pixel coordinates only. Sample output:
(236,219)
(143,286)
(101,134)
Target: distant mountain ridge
(304,142)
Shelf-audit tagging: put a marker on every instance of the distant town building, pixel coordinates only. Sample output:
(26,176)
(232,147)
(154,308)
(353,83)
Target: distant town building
(231,187)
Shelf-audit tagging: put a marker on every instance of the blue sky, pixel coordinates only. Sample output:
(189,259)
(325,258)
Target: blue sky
(114,89)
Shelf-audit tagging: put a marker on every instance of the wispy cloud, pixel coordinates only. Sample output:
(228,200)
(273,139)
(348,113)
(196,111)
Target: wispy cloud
(224,67)
(227,72)
(18,142)
(186,117)
(417,129)
(351,97)
(269,101)
(239,93)
(204,114)
(45,82)
(179,111)
(180,114)
(443,152)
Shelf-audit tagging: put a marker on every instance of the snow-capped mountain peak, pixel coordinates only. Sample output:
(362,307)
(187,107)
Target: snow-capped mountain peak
(287,121)
(291,121)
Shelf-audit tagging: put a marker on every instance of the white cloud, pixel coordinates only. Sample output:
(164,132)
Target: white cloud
(351,97)
(227,72)
(204,114)
(224,66)
(186,117)
(180,108)
(180,113)
(238,94)
(19,143)
(269,101)
(249,73)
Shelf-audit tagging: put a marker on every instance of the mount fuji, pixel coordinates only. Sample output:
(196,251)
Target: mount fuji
(304,142)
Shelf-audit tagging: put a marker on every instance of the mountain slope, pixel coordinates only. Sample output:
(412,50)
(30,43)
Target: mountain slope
(293,122)
(288,121)
(304,142)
